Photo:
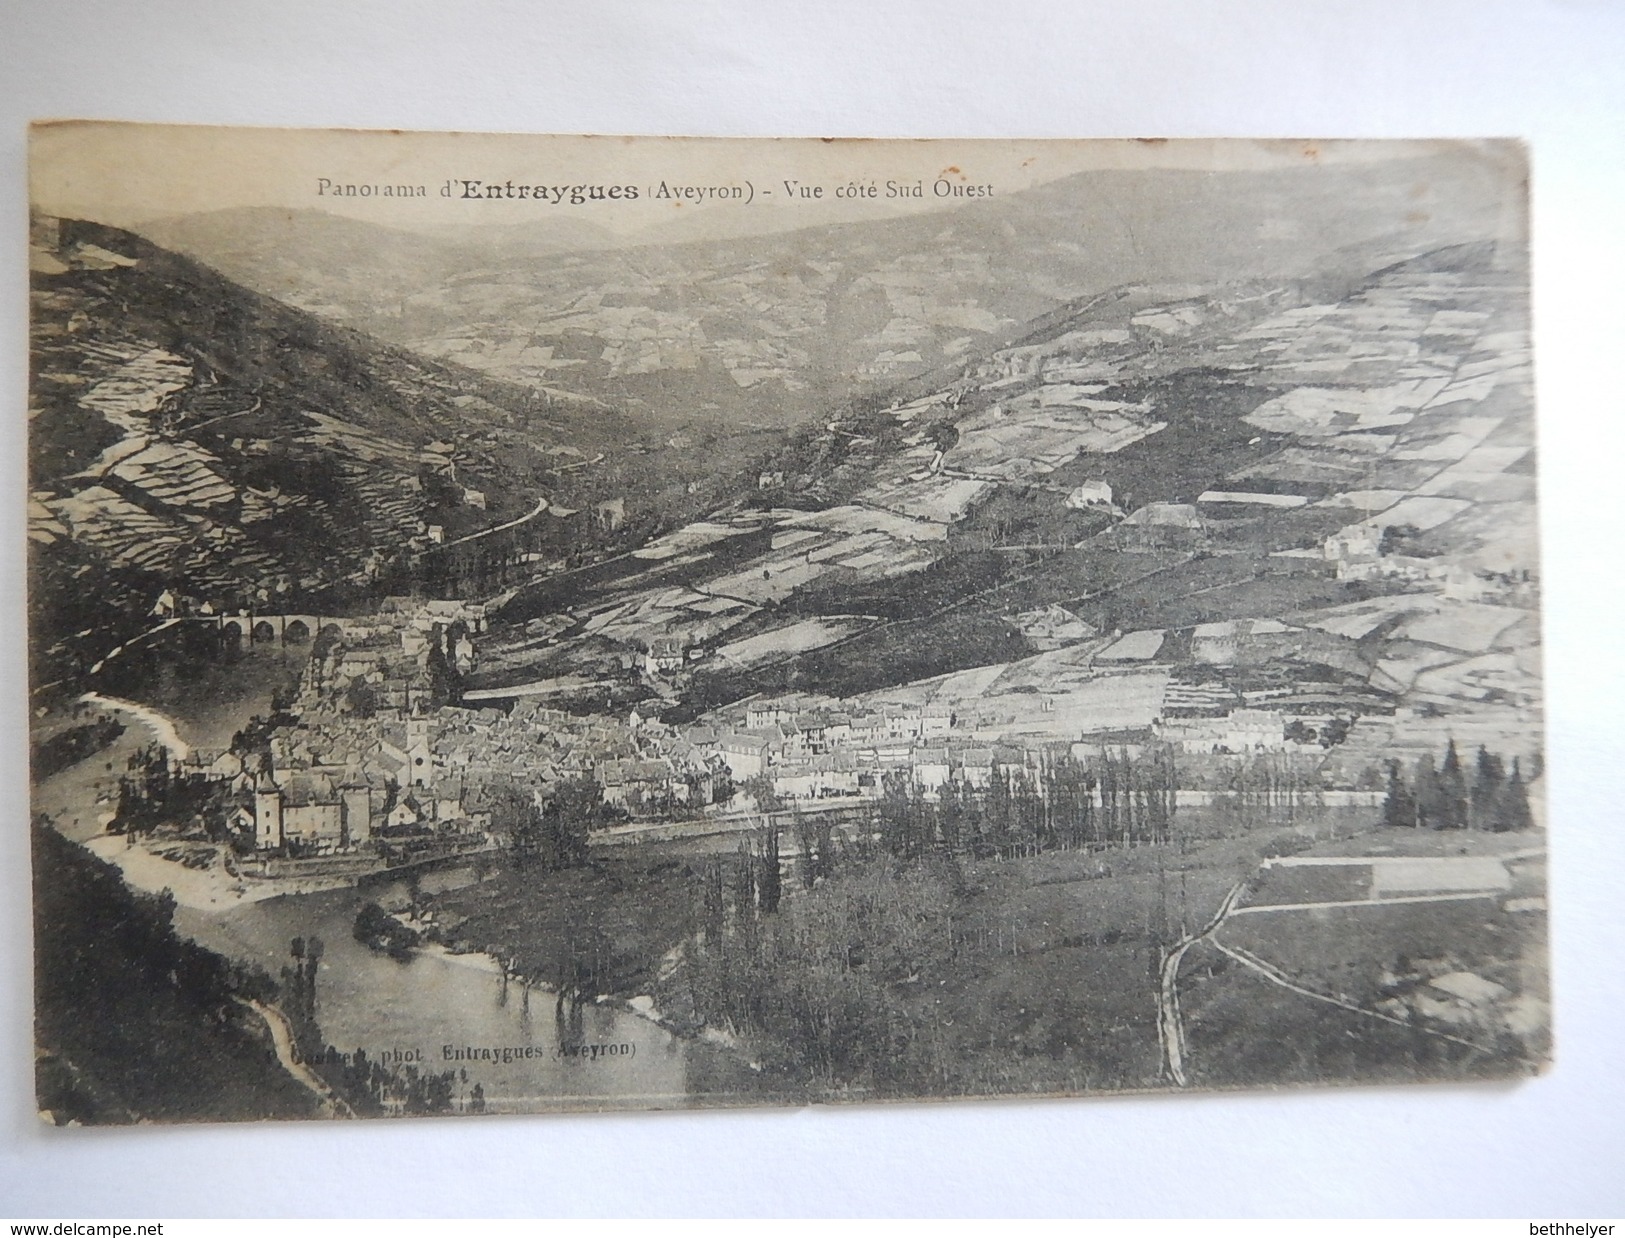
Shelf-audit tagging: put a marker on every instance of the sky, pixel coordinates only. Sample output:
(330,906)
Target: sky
(129,174)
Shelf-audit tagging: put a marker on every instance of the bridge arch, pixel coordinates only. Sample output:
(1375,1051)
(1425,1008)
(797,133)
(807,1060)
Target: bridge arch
(287,629)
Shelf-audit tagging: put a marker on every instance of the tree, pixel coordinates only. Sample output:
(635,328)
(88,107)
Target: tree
(1452,791)
(722,781)
(376,929)
(445,685)
(907,822)
(361,698)
(1398,539)
(760,788)
(1515,800)
(956,807)
(815,838)
(328,640)
(1027,815)
(1300,732)
(511,807)
(1488,789)
(1430,810)
(1335,731)
(1069,801)
(713,899)
(575,806)
(769,884)
(1399,807)
(554,835)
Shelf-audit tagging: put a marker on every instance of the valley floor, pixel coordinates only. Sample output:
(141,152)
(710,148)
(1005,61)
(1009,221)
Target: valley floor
(1042,975)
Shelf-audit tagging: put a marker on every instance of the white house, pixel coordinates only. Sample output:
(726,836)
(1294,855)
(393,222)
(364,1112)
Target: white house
(1093,493)
(746,755)
(931,768)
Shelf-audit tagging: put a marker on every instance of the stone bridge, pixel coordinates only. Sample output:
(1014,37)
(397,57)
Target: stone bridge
(284,629)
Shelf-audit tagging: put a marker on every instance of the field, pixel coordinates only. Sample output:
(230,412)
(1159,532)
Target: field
(782,642)
(1045,974)
(1313,885)
(1450,988)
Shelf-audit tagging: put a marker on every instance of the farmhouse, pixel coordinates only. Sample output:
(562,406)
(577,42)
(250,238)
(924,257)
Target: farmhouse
(1093,493)
(1052,627)
(1355,550)
(1162,525)
(663,656)
(1240,731)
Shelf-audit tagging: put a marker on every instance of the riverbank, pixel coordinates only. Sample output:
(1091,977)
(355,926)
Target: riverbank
(640,1006)
(202,889)
(613,932)
(601,929)
(442,1007)
(163,728)
(81,799)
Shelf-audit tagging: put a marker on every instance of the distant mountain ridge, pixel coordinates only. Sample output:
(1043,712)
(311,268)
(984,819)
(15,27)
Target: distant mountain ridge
(772,327)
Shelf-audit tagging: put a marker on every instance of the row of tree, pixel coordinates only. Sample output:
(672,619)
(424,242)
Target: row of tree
(1271,788)
(812,986)
(810,980)
(1444,796)
(1120,798)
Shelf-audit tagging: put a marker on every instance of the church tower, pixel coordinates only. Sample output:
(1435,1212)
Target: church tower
(419,755)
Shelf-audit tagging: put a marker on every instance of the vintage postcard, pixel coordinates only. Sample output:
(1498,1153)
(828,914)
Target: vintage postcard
(537,623)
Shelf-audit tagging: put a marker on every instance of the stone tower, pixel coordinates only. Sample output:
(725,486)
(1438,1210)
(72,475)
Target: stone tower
(267,812)
(355,799)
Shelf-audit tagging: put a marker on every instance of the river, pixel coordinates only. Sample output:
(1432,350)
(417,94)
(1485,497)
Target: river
(426,1010)
(436,1011)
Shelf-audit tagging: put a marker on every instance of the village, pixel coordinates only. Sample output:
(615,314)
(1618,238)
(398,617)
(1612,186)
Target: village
(373,759)
(1390,617)
(865,674)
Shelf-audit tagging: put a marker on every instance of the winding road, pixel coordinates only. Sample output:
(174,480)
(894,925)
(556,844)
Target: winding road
(1170,1026)
(333,1105)
(541,506)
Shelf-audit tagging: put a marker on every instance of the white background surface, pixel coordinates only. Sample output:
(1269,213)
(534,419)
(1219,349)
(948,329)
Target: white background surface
(1553,73)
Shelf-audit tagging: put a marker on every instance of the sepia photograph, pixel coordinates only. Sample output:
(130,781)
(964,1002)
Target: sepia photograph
(522,624)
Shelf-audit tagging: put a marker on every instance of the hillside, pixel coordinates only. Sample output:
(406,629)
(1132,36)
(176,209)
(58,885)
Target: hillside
(1317,493)
(172,1039)
(770,329)
(188,434)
